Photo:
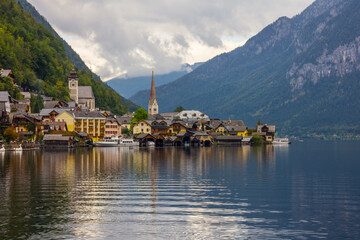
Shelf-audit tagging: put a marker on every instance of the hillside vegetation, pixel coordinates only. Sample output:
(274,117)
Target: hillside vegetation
(39,61)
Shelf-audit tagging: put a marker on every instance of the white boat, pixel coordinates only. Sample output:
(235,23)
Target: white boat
(2,149)
(128,143)
(281,141)
(115,142)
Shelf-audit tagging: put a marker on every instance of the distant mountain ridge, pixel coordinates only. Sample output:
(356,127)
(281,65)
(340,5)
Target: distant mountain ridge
(301,74)
(130,86)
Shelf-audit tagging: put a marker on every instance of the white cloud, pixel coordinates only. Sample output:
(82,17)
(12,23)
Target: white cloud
(132,36)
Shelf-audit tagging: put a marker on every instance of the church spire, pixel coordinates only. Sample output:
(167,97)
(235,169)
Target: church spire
(153,93)
(153,105)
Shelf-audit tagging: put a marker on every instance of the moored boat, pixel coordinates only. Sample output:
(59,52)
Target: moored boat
(281,141)
(115,142)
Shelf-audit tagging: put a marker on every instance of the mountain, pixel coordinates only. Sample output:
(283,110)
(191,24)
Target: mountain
(130,86)
(40,63)
(74,57)
(301,74)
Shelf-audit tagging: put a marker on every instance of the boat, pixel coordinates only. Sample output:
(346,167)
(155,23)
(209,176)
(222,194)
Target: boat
(128,143)
(2,149)
(108,142)
(115,142)
(281,141)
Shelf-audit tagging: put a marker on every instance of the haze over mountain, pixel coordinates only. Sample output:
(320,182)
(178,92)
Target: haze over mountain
(301,74)
(129,86)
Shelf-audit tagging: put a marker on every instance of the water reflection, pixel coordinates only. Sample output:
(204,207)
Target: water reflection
(218,192)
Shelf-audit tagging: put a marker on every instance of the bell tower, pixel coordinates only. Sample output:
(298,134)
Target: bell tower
(74,86)
(153,107)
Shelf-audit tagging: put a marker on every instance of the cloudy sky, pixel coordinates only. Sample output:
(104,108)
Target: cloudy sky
(130,37)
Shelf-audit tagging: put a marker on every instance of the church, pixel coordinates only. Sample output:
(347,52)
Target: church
(153,108)
(82,95)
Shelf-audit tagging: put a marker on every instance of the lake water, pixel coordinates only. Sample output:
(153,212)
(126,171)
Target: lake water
(307,190)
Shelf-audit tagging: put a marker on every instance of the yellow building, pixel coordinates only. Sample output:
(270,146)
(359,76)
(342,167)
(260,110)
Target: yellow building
(68,118)
(142,127)
(221,129)
(92,123)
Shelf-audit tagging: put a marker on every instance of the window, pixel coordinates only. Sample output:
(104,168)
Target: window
(142,124)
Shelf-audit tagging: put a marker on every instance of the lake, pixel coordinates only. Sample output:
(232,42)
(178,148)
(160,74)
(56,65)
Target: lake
(308,190)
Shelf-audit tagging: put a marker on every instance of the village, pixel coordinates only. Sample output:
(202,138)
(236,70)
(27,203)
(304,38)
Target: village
(78,123)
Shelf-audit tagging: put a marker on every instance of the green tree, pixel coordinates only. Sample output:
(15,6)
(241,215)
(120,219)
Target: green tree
(10,134)
(258,140)
(140,114)
(258,122)
(37,103)
(179,109)
(125,131)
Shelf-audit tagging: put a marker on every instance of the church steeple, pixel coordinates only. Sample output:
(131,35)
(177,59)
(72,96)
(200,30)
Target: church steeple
(153,107)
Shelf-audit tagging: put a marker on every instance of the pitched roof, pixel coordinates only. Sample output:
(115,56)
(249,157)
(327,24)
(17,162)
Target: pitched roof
(124,120)
(237,128)
(47,111)
(93,114)
(56,137)
(85,92)
(50,104)
(5,72)
(4,96)
(27,95)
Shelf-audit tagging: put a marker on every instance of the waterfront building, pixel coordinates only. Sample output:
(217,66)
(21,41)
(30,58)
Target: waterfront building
(82,95)
(143,126)
(112,128)
(92,123)
(267,131)
(160,127)
(153,108)
(176,127)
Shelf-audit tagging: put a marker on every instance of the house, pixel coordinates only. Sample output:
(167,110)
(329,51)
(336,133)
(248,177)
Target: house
(176,127)
(267,131)
(7,73)
(5,101)
(67,117)
(112,128)
(143,126)
(160,127)
(26,95)
(237,131)
(192,115)
(57,140)
(92,123)
(170,116)
(124,122)
(221,129)
(49,114)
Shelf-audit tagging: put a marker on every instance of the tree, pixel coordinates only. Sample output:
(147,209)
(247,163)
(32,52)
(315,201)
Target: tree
(37,103)
(125,131)
(258,140)
(179,109)
(140,114)
(10,134)
(258,122)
